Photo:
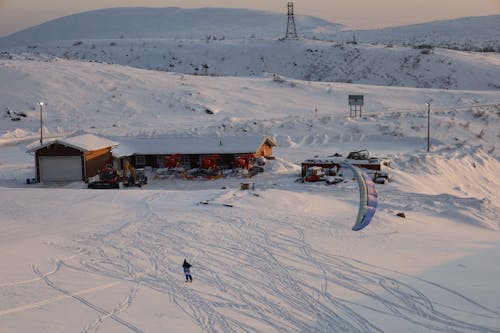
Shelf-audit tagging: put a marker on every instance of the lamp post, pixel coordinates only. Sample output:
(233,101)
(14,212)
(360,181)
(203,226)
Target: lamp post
(41,123)
(428,125)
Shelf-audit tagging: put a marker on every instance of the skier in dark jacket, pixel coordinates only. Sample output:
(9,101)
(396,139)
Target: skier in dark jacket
(186,267)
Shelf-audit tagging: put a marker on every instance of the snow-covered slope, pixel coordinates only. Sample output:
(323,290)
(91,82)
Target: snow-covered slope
(469,33)
(118,100)
(246,43)
(303,60)
(113,100)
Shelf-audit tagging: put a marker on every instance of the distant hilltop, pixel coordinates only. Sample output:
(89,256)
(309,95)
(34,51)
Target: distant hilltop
(471,33)
(171,22)
(481,34)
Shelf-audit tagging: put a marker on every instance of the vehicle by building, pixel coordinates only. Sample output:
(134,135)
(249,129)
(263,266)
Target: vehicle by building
(375,167)
(108,178)
(132,176)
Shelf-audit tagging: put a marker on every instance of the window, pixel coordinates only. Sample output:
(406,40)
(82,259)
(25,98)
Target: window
(140,160)
(185,160)
(160,161)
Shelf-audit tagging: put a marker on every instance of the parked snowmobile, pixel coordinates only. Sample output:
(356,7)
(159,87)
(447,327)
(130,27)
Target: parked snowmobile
(314,174)
(108,179)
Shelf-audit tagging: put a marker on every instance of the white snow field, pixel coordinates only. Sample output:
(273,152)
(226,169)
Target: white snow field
(283,258)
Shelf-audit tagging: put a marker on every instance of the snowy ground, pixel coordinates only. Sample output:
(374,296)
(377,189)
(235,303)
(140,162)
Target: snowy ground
(283,258)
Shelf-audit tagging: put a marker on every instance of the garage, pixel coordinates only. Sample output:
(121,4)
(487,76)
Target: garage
(74,158)
(60,168)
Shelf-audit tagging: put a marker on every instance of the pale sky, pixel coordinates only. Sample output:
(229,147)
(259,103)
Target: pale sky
(17,15)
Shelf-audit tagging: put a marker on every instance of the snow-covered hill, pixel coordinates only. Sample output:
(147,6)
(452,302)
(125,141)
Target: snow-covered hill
(469,34)
(246,43)
(118,100)
(166,23)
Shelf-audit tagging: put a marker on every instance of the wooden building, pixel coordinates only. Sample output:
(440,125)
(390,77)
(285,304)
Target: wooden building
(151,152)
(75,158)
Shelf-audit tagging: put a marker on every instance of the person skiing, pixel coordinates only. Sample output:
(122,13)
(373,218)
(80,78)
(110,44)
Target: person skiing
(187,272)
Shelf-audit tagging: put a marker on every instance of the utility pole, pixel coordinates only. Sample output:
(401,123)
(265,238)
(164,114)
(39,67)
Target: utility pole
(291,32)
(428,126)
(41,123)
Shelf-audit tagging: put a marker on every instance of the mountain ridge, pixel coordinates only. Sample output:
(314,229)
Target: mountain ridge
(168,22)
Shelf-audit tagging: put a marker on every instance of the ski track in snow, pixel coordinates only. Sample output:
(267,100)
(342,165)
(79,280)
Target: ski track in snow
(56,268)
(259,284)
(103,313)
(55,299)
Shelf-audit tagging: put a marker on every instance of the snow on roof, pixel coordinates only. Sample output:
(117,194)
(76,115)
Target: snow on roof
(191,145)
(341,159)
(83,142)
(329,159)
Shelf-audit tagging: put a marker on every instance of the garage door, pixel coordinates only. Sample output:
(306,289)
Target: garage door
(60,168)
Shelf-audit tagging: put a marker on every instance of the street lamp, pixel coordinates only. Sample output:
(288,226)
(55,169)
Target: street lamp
(428,125)
(41,123)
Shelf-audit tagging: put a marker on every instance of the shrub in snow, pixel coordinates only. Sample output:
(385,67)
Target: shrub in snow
(423,46)
(479,113)
(277,78)
(481,134)
(487,49)
(451,123)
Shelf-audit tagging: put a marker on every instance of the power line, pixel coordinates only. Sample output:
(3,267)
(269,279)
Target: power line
(291,32)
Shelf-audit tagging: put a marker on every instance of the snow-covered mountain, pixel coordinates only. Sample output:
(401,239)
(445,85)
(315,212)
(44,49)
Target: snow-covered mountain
(247,43)
(166,23)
